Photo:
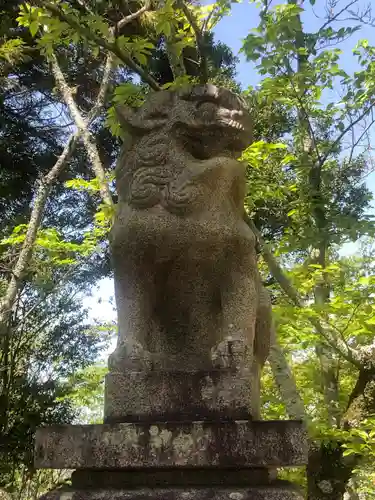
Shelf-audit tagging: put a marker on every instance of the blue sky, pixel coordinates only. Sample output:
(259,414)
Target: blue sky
(232,30)
(245,16)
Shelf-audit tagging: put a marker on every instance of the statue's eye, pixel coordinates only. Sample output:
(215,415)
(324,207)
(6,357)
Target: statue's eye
(208,111)
(157,115)
(211,101)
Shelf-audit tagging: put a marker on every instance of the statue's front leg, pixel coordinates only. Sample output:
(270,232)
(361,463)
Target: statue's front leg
(262,341)
(233,356)
(239,309)
(134,292)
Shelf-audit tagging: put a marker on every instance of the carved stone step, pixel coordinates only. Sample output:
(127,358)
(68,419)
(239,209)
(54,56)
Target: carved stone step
(279,491)
(166,478)
(172,444)
(178,395)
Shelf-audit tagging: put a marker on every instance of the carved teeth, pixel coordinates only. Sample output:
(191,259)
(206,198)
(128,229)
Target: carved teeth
(235,124)
(225,124)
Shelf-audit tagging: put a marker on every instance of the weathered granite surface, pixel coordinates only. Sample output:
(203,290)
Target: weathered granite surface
(172,444)
(188,291)
(178,395)
(279,491)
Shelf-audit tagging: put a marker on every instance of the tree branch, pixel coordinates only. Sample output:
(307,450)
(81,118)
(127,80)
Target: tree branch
(43,191)
(200,41)
(176,61)
(355,144)
(89,35)
(344,132)
(284,380)
(131,17)
(335,17)
(82,126)
(336,343)
(100,99)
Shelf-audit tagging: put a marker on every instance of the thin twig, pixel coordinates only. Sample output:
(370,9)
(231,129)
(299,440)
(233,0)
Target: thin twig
(131,17)
(82,125)
(336,343)
(359,139)
(101,42)
(344,132)
(200,41)
(335,17)
(42,194)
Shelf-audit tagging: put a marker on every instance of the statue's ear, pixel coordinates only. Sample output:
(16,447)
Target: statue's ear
(126,116)
(154,113)
(140,119)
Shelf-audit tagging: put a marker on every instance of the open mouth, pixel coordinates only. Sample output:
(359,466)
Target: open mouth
(233,124)
(230,133)
(226,139)
(223,127)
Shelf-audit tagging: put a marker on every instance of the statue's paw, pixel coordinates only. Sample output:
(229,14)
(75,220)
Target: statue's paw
(130,356)
(230,352)
(183,197)
(178,193)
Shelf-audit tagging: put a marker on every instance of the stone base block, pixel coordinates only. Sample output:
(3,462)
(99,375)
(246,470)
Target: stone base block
(165,478)
(278,491)
(177,395)
(172,445)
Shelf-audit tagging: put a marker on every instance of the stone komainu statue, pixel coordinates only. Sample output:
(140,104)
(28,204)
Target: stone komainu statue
(188,291)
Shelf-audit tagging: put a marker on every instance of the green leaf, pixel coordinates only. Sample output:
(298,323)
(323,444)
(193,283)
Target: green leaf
(33,27)
(348,452)
(277,145)
(12,50)
(142,59)
(165,28)
(179,83)
(129,93)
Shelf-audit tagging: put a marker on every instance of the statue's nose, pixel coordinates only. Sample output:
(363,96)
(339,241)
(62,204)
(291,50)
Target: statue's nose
(237,115)
(243,117)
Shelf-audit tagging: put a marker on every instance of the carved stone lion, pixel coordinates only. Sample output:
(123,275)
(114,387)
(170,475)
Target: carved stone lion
(187,285)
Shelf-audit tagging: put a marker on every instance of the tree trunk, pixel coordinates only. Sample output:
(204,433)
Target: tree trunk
(327,475)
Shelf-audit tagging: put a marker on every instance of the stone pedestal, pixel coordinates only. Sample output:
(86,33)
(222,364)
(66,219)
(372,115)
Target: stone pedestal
(175,434)
(172,445)
(233,460)
(156,395)
(279,491)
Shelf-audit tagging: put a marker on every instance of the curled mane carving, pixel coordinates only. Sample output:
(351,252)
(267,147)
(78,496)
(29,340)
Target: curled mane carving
(171,130)
(142,169)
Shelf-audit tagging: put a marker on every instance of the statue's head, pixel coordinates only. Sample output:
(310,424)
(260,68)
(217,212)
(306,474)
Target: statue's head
(207,120)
